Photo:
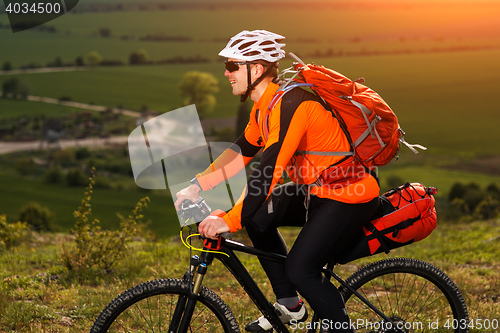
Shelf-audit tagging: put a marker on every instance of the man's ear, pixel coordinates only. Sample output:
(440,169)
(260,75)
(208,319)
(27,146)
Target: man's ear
(258,70)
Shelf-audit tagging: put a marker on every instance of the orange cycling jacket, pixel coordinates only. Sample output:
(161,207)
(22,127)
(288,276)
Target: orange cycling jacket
(297,123)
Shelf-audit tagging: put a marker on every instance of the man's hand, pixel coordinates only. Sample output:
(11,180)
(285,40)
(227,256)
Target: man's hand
(191,193)
(212,227)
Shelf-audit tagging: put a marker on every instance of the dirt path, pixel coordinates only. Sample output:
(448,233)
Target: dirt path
(9,147)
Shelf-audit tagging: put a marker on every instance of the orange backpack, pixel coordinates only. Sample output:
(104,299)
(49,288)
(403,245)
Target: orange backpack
(405,215)
(369,123)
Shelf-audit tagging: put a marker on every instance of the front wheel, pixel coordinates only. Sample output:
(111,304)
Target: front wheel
(153,307)
(415,295)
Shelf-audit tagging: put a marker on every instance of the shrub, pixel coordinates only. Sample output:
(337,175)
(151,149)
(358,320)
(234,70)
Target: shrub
(11,234)
(65,98)
(105,32)
(458,209)
(76,177)
(24,166)
(96,248)
(38,217)
(473,202)
(102,182)
(493,191)
(82,153)
(64,157)
(53,175)
(488,208)
(473,197)
(139,57)
(457,191)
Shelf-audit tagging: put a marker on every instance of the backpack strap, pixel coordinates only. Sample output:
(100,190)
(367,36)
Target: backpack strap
(324,153)
(283,90)
(410,146)
(286,88)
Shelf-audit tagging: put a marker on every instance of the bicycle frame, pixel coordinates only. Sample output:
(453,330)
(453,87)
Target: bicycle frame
(227,256)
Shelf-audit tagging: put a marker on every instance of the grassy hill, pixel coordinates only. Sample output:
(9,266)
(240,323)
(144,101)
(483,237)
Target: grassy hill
(39,294)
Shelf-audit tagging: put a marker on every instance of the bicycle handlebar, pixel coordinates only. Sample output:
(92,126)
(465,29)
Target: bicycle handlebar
(197,211)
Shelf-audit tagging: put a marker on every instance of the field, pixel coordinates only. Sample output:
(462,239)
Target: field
(434,95)
(359,27)
(39,294)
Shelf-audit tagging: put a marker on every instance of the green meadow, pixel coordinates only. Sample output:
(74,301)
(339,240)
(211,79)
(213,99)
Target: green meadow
(445,101)
(107,203)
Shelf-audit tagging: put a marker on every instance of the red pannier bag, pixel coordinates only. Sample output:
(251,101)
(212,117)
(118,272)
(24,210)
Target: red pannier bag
(405,215)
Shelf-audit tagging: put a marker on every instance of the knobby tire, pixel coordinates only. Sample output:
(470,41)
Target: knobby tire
(149,307)
(415,295)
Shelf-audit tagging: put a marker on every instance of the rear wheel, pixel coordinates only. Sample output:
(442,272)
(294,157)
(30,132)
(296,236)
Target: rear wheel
(415,295)
(151,307)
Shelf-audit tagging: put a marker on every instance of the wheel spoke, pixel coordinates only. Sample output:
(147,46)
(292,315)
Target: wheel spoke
(150,307)
(408,291)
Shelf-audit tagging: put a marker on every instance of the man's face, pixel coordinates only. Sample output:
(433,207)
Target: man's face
(238,78)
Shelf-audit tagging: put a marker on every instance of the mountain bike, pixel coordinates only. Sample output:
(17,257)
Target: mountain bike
(390,295)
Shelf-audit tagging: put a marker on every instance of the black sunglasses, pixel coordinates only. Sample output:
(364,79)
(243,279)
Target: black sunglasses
(233,66)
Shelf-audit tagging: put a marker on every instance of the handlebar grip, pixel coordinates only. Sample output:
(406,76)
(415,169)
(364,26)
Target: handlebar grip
(226,235)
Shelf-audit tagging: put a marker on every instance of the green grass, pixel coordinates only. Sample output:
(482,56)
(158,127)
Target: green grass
(11,109)
(357,28)
(441,178)
(63,201)
(38,294)
(129,87)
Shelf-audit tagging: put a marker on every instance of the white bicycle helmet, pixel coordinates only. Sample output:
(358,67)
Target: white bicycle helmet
(255,45)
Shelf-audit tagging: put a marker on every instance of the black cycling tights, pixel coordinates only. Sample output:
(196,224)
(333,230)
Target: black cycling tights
(331,225)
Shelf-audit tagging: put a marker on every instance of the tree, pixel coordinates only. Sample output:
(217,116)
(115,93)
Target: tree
(199,88)
(94,59)
(10,86)
(139,57)
(79,61)
(15,88)
(7,66)
(57,62)
(105,32)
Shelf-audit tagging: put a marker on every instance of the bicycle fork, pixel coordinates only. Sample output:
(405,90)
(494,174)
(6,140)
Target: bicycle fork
(186,303)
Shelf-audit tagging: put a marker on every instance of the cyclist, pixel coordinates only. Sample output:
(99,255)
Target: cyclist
(331,197)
